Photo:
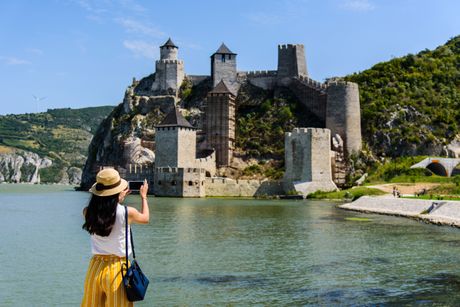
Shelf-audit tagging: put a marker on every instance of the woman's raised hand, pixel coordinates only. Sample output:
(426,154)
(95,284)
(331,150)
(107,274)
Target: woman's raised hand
(144,189)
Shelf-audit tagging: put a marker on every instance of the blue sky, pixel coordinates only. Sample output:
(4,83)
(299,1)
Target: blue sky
(80,53)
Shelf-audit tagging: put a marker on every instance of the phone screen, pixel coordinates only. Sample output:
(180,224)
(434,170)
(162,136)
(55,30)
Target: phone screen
(135,185)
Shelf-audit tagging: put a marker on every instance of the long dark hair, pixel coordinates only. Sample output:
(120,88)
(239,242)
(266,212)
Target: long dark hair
(100,214)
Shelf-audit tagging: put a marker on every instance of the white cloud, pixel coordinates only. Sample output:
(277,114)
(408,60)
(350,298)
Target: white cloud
(35,51)
(132,5)
(134,26)
(91,6)
(358,5)
(13,61)
(141,48)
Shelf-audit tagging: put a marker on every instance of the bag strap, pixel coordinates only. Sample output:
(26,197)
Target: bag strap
(126,238)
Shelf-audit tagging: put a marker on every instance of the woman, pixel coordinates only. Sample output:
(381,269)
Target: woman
(105,221)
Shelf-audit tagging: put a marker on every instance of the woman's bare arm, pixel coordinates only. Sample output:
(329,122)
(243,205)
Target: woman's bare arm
(142,217)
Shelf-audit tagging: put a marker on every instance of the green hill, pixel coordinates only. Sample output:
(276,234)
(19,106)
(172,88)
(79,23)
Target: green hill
(411,105)
(61,134)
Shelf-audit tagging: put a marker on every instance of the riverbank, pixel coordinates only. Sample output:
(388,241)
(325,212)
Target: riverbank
(442,213)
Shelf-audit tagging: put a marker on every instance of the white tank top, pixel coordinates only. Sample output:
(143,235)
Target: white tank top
(114,243)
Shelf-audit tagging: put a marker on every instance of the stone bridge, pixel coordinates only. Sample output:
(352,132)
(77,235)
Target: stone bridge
(440,166)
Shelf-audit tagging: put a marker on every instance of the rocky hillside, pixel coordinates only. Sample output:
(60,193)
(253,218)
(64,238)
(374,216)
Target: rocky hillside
(47,147)
(411,105)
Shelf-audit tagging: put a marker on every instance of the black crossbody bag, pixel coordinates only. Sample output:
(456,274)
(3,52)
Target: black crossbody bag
(134,280)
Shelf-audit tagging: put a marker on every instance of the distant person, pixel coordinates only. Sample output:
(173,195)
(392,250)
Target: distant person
(105,221)
(394,191)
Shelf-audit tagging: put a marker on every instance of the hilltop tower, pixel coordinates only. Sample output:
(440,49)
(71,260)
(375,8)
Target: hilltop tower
(220,123)
(291,63)
(308,160)
(169,71)
(343,114)
(223,67)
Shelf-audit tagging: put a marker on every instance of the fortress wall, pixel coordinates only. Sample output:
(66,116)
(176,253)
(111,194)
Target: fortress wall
(169,74)
(186,155)
(179,182)
(291,62)
(167,147)
(168,53)
(221,70)
(220,126)
(307,160)
(260,73)
(265,79)
(168,183)
(308,154)
(174,75)
(267,83)
(311,94)
(343,114)
(208,163)
(196,79)
(248,188)
(193,185)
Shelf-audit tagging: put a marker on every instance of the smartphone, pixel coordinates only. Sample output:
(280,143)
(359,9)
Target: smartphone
(135,185)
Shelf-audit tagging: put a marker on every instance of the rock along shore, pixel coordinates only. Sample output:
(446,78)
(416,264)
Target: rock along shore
(442,213)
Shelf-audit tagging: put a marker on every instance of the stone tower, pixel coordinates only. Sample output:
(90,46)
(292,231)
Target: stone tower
(343,115)
(169,71)
(220,122)
(223,67)
(291,63)
(308,160)
(175,141)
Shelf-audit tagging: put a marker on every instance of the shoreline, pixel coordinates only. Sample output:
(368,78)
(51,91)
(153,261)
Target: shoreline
(446,213)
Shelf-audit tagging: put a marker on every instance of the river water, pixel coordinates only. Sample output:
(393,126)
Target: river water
(218,252)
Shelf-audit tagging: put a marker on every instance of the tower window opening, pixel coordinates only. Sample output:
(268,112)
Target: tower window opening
(190,183)
(173,182)
(223,58)
(229,56)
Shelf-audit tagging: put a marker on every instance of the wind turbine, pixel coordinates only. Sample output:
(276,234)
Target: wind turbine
(37,100)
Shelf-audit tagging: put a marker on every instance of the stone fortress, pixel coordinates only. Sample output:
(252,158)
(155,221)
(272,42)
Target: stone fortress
(314,157)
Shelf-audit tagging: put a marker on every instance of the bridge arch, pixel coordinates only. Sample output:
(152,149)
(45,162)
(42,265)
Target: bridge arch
(437,169)
(456,170)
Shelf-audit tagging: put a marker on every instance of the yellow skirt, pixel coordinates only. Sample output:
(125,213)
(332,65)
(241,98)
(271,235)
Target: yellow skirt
(103,282)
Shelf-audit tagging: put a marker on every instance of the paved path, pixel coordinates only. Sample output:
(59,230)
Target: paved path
(445,213)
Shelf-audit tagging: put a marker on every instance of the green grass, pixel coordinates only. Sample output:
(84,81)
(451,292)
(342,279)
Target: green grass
(353,193)
(413,179)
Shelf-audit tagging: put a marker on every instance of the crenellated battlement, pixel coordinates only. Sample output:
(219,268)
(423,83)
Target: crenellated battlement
(342,83)
(289,46)
(314,131)
(180,62)
(312,83)
(260,73)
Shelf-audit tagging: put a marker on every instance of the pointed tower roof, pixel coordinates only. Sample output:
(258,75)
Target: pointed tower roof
(175,119)
(223,50)
(169,43)
(221,88)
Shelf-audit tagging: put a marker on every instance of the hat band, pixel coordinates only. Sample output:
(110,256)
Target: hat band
(101,187)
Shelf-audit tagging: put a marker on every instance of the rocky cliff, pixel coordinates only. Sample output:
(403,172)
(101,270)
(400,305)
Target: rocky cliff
(22,166)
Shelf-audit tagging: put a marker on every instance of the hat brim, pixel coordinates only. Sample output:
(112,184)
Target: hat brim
(123,186)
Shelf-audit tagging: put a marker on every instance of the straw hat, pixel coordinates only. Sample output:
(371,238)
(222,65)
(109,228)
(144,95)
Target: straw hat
(108,182)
